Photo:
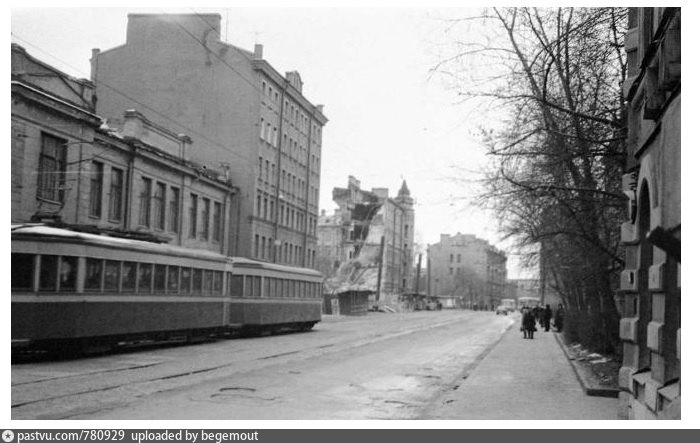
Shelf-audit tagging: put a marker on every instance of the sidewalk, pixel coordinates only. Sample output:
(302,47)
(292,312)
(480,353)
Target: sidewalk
(523,380)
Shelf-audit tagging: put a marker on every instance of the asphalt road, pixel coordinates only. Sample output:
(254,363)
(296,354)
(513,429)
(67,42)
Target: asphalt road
(379,366)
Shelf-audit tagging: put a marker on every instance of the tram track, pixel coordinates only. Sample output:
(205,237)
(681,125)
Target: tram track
(29,397)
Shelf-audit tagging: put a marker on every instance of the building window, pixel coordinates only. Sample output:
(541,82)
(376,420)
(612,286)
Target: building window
(217,221)
(452,258)
(159,206)
(52,168)
(262,128)
(174,210)
(459,258)
(96,176)
(145,202)
(257,246)
(116,187)
(193,215)
(205,218)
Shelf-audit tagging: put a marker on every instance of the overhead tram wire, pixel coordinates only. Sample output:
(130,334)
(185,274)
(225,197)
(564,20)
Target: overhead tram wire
(214,143)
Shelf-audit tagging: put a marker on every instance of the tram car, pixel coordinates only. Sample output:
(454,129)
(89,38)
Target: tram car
(82,291)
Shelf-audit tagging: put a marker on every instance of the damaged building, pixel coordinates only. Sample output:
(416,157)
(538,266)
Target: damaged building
(366,245)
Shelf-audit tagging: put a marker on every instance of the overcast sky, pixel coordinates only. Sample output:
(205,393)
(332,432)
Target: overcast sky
(370,67)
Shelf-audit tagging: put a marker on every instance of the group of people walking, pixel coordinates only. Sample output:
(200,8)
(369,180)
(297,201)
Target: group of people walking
(532,316)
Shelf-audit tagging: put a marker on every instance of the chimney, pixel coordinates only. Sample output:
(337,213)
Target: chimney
(258,51)
(93,64)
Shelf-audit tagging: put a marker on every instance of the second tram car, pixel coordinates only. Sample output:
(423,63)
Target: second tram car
(74,289)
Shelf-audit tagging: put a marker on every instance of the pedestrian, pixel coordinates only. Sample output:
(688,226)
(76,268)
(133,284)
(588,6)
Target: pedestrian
(546,317)
(537,312)
(559,318)
(527,324)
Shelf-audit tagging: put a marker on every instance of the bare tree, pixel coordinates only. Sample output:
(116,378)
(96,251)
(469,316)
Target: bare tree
(555,77)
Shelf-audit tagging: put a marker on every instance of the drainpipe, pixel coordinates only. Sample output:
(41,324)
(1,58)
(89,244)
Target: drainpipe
(129,188)
(278,180)
(308,176)
(80,173)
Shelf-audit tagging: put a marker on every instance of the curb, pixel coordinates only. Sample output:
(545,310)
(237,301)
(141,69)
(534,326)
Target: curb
(579,370)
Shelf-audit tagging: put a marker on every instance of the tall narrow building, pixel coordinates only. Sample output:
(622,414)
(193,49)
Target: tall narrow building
(244,116)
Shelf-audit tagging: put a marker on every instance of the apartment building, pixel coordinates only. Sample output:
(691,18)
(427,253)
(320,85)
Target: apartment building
(244,117)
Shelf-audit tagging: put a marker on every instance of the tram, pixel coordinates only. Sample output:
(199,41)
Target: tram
(82,291)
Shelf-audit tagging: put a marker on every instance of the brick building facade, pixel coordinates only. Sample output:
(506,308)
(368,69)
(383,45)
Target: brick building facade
(650,287)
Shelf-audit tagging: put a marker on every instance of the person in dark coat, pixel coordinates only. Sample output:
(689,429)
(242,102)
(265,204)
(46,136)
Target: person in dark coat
(536,313)
(528,323)
(546,317)
(559,318)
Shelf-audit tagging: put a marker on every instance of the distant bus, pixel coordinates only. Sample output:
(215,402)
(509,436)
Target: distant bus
(530,302)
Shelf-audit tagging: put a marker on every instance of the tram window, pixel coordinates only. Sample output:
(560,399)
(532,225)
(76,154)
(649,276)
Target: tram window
(248,286)
(196,281)
(252,286)
(280,290)
(207,282)
(256,286)
(145,277)
(265,287)
(285,288)
(128,277)
(69,272)
(111,275)
(49,268)
(159,278)
(235,285)
(218,282)
(22,271)
(186,280)
(93,274)
(274,287)
(173,279)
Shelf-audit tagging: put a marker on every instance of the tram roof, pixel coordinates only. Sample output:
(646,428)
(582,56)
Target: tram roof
(40,230)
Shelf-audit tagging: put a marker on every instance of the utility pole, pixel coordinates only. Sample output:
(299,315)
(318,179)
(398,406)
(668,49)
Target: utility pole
(379,271)
(428,277)
(420,259)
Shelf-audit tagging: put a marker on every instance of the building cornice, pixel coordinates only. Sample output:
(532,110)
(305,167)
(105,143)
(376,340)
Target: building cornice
(265,67)
(53,102)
